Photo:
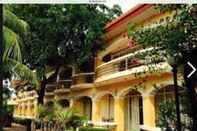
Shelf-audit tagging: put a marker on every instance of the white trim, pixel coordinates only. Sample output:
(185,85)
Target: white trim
(103,123)
(82,74)
(149,128)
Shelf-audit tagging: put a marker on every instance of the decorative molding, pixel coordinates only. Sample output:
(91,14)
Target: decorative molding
(138,88)
(103,93)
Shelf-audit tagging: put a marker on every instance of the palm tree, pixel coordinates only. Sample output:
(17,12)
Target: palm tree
(14,29)
(62,118)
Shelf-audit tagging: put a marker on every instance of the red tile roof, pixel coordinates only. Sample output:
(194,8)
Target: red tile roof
(131,13)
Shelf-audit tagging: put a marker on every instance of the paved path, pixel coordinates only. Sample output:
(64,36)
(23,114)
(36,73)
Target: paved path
(15,127)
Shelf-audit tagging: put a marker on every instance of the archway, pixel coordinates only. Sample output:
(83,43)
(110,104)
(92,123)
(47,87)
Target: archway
(64,103)
(84,105)
(133,111)
(87,107)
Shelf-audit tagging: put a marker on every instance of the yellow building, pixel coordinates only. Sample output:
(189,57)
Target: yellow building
(26,105)
(124,90)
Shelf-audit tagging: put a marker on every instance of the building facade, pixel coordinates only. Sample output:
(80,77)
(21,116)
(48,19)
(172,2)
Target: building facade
(125,88)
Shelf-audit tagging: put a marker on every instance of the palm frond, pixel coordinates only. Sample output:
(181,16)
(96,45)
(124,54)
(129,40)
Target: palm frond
(22,71)
(14,23)
(42,111)
(62,115)
(11,45)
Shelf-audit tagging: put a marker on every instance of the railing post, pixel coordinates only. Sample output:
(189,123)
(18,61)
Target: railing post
(126,63)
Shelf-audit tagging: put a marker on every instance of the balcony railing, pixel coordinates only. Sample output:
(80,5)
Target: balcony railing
(83,78)
(109,125)
(129,61)
(27,94)
(50,88)
(64,84)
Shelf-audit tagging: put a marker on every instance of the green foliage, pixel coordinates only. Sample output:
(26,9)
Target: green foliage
(92,129)
(42,112)
(46,112)
(22,71)
(166,114)
(14,29)
(13,22)
(11,45)
(63,30)
(61,35)
(66,118)
(62,115)
(174,34)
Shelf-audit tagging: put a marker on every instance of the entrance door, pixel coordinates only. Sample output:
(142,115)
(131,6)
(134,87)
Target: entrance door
(133,112)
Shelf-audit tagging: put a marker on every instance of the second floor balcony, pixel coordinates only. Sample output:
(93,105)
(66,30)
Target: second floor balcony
(63,86)
(82,80)
(139,62)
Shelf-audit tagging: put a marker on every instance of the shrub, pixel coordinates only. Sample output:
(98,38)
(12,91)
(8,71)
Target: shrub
(66,118)
(93,129)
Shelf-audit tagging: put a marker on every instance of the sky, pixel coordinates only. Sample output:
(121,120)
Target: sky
(124,4)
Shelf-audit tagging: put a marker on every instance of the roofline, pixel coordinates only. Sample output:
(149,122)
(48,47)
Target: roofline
(127,14)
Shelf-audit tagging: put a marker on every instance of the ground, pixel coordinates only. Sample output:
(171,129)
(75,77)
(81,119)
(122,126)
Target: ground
(15,127)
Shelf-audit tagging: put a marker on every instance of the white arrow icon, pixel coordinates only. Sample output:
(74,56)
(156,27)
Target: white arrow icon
(194,69)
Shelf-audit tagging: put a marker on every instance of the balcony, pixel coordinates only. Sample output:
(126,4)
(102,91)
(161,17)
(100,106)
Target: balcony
(27,95)
(50,88)
(82,80)
(139,62)
(63,86)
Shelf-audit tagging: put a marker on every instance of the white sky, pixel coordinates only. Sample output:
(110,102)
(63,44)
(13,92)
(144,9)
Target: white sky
(124,4)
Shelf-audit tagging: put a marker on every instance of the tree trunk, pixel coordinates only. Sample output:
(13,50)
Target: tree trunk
(193,103)
(41,92)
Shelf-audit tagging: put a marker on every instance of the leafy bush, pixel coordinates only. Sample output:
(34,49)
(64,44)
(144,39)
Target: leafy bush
(93,129)
(66,118)
(45,112)
(166,114)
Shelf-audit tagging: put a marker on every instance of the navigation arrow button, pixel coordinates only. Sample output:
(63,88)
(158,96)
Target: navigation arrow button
(193,70)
